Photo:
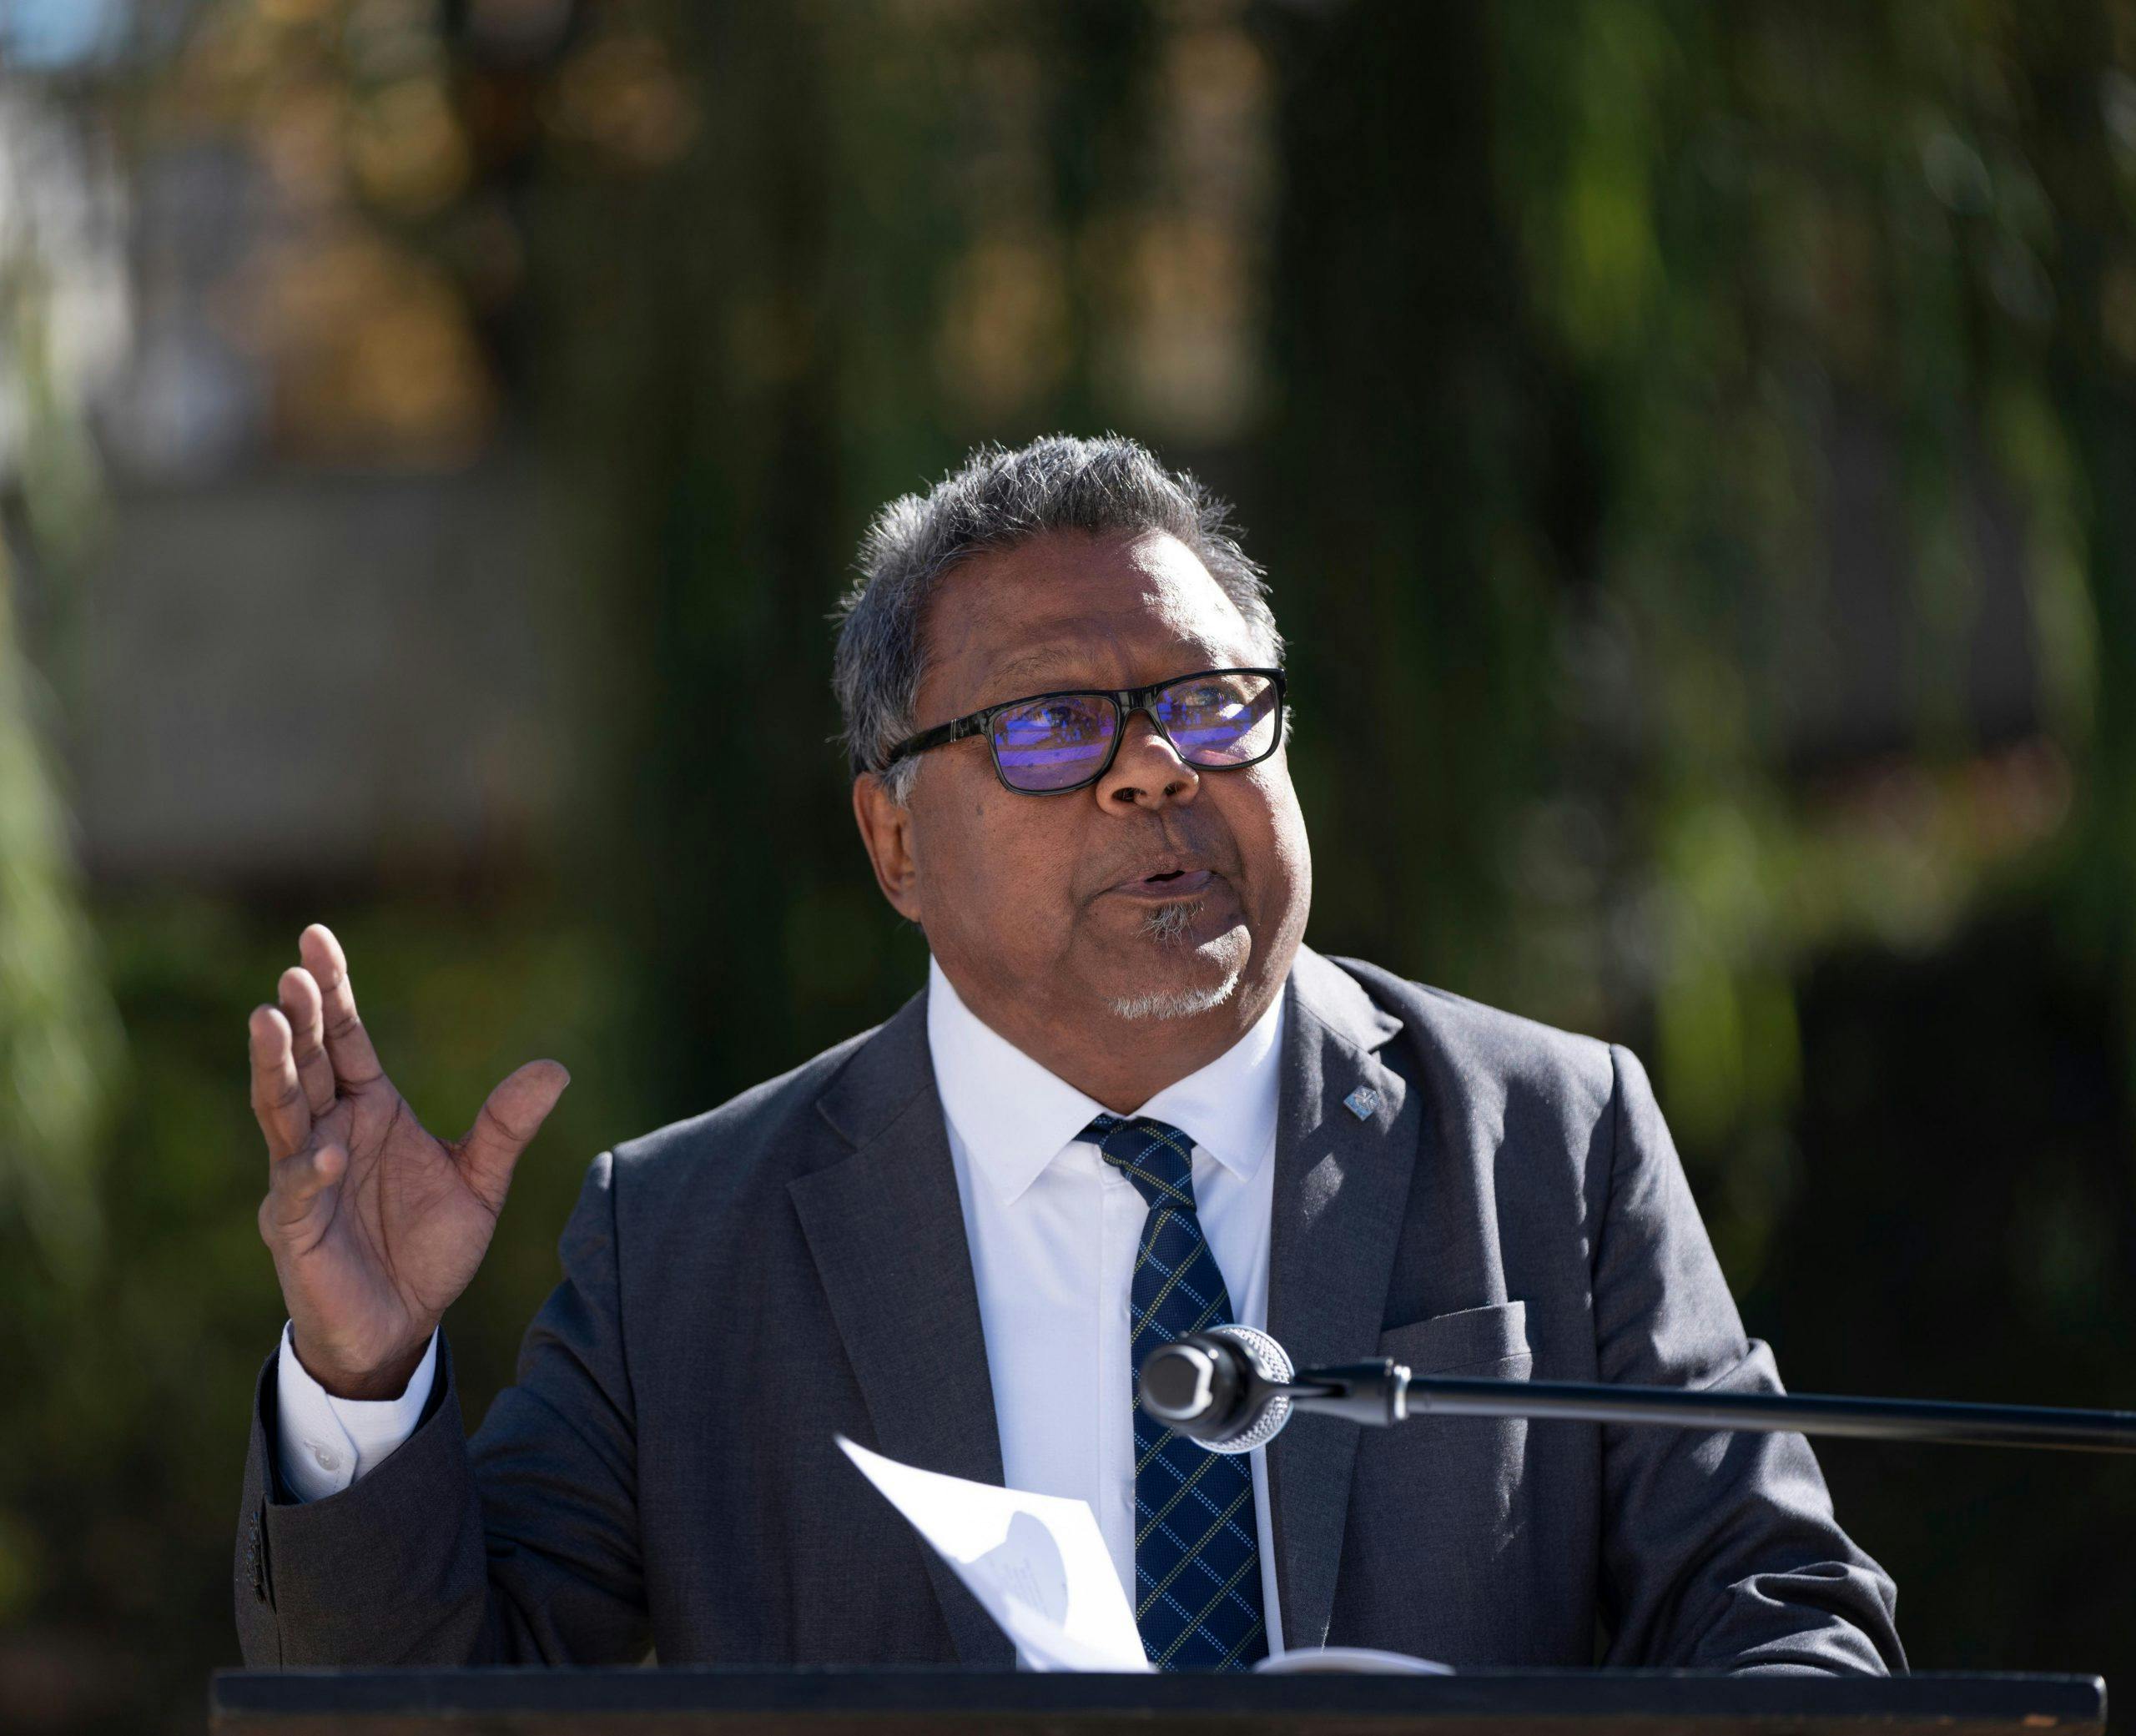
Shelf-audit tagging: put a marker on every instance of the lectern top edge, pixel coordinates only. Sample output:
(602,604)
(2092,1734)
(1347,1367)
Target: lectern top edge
(890,1702)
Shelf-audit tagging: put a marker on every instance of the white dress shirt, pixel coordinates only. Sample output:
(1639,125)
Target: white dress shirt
(326,1443)
(1052,1229)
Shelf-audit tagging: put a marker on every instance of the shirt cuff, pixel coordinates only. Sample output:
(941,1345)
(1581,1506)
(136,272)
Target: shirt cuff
(325,1443)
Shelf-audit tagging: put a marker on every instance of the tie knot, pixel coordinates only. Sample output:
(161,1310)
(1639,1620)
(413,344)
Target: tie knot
(1153,1155)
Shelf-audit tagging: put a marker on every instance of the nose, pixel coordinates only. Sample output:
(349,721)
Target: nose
(1147,772)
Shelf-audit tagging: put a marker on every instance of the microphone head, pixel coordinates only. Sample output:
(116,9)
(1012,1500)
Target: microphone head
(1211,1388)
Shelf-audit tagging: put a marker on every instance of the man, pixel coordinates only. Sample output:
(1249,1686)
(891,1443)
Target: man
(1129,1103)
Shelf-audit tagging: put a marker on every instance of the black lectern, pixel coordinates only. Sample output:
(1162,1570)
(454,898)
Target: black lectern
(686,1701)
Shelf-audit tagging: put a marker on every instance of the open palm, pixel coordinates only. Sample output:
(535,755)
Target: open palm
(375,1224)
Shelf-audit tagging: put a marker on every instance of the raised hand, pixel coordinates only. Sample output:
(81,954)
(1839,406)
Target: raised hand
(375,1224)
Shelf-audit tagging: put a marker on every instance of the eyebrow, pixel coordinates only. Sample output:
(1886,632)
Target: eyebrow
(1034,665)
(1050,660)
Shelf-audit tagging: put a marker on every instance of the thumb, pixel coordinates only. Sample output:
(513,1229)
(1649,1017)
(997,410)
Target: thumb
(507,1123)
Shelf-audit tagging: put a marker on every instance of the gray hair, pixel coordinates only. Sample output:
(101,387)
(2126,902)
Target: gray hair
(998,498)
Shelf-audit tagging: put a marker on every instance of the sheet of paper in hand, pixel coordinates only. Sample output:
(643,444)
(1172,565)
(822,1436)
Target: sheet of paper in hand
(1036,1562)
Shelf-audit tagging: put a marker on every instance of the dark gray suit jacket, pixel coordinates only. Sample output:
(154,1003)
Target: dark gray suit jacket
(739,1285)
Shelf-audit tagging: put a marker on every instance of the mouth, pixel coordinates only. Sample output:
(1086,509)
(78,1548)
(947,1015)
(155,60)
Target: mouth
(1167,884)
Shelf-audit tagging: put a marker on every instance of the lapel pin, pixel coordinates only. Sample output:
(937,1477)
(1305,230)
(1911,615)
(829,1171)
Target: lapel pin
(1361,1102)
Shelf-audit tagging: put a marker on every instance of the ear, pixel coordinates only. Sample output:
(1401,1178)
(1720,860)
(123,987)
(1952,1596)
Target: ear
(886,831)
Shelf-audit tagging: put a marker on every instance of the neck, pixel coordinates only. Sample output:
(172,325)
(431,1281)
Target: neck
(1122,1063)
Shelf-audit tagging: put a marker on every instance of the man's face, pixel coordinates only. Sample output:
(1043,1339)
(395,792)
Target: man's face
(1162,896)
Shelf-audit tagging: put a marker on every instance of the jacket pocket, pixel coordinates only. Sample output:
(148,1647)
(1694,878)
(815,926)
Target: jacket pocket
(1475,1338)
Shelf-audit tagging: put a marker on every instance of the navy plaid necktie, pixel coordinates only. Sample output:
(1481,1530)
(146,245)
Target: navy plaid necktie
(1198,1554)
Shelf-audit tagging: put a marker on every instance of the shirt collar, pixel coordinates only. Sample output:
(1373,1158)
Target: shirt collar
(1015,1117)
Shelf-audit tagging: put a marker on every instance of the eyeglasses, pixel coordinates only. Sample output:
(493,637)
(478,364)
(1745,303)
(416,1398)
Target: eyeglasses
(1050,743)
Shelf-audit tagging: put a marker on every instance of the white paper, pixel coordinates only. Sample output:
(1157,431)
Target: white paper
(1349,1661)
(1037,1563)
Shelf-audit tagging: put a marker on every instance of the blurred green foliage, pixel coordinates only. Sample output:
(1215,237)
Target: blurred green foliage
(1706,296)
(58,1037)
(1667,427)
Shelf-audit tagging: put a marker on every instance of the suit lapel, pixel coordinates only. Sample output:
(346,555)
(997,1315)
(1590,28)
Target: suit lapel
(887,1231)
(1342,1189)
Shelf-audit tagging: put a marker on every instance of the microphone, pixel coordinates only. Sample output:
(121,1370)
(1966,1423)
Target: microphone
(1231,1389)
(1227,1388)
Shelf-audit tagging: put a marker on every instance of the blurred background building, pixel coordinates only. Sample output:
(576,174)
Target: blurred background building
(1691,447)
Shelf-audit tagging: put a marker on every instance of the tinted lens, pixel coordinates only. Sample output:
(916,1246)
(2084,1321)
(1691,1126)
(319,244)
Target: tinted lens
(1050,744)
(1221,720)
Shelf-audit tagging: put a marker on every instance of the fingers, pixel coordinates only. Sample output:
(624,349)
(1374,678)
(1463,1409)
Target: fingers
(507,1123)
(295,1182)
(305,1008)
(278,1099)
(348,1044)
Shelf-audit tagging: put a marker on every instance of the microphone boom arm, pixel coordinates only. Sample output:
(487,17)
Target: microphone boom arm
(1384,1392)
(1232,1388)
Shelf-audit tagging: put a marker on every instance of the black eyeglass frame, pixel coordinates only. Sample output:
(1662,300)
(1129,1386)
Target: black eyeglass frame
(1125,702)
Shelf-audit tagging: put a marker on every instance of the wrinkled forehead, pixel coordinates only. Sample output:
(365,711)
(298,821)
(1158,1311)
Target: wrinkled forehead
(1068,609)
